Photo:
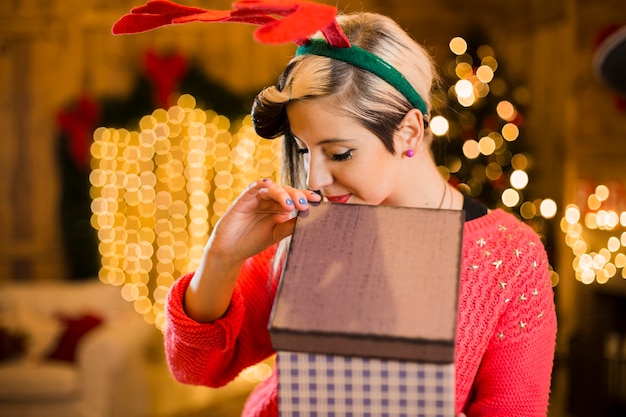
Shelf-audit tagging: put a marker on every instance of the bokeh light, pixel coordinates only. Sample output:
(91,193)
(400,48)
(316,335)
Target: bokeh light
(158,192)
(585,227)
(439,125)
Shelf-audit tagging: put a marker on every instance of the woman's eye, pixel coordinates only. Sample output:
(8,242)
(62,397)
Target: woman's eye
(344,156)
(302,151)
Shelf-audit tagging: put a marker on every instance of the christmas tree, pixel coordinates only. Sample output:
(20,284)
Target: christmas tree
(481,149)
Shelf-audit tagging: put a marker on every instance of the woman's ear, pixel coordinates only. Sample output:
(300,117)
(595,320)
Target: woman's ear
(411,131)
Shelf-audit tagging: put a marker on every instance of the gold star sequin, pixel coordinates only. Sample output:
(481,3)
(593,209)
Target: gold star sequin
(502,228)
(517,252)
(481,242)
(535,264)
(487,253)
(540,315)
(523,297)
(502,285)
(497,263)
(535,292)
(522,324)
(473,267)
(501,336)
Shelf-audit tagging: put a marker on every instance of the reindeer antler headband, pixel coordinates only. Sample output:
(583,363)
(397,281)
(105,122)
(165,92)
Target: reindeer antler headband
(297,21)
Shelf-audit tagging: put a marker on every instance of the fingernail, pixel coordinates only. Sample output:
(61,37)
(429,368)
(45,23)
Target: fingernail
(289,202)
(302,200)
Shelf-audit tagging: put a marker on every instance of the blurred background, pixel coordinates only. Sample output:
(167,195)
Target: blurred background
(121,152)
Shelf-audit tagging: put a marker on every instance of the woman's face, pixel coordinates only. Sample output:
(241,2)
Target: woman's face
(342,159)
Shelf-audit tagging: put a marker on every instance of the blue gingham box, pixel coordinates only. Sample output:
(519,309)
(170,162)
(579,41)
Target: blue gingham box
(319,385)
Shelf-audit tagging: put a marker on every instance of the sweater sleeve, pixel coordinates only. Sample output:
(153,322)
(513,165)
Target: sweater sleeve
(514,375)
(213,354)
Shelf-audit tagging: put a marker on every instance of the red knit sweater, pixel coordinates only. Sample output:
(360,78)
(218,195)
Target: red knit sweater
(504,345)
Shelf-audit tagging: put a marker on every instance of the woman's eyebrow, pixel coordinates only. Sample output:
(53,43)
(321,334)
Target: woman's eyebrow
(323,142)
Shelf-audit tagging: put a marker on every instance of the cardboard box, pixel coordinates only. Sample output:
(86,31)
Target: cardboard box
(373,281)
(364,320)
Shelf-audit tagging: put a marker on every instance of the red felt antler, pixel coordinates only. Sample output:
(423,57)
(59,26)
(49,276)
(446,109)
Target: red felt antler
(299,19)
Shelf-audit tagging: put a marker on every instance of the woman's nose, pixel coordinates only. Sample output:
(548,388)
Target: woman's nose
(318,175)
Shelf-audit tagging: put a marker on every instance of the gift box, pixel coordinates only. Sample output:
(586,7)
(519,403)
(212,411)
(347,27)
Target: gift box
(364,319)
(329,385)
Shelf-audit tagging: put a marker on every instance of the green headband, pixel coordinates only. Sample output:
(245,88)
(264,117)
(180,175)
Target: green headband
(366,60)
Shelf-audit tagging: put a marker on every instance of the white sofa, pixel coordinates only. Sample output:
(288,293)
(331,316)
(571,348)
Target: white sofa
(107,376)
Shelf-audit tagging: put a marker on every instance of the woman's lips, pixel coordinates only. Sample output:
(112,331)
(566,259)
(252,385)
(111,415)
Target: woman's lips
(339,198)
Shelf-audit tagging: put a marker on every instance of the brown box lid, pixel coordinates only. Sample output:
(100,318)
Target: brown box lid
(376,281)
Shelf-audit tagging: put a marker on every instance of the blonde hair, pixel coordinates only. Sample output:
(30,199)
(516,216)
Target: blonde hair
(358,93)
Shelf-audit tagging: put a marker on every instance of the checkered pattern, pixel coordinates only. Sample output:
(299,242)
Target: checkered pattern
(315,385)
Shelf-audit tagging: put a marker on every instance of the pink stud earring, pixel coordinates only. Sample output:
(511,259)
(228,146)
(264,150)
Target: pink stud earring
(410,153)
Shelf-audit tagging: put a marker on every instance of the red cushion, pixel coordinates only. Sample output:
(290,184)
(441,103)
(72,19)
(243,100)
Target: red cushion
(76,329)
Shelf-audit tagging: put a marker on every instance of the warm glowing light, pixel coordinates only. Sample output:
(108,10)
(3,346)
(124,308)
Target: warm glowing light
(554,278)
(493,171)
(464,89)
(590,265)
(480,89)
(464,70)
(491,62)
(588,276)
(593,202)
(510,197)
(506,110)
(519,161)
(591,220)
(458,45)
(453,163)
(467,101)
(486,145)
(519,179)
(470,149)
(602,192)
(439,125)
(157,193)
(528,210)
(484,73)
(613,244)
(572,214)
(548,208)
(510,132)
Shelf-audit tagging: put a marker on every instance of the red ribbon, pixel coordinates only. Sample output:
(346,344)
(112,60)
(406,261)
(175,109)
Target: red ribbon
(78,123)
(165,73)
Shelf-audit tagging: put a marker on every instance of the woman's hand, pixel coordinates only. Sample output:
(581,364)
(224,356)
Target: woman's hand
(260,217)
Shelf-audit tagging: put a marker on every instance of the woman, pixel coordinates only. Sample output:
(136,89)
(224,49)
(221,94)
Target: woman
(355,135)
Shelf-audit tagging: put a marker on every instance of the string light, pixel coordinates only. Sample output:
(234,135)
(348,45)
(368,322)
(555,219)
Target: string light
(579,225)
(439,125)
(157,193)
